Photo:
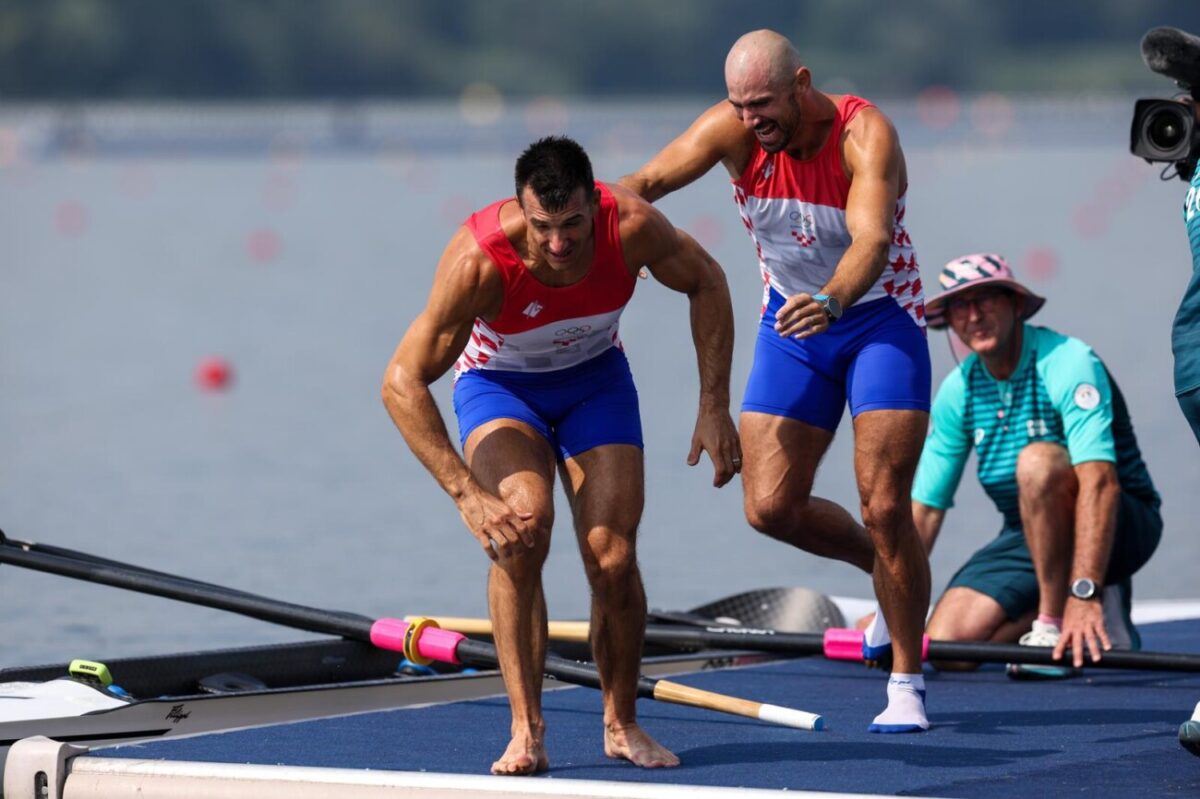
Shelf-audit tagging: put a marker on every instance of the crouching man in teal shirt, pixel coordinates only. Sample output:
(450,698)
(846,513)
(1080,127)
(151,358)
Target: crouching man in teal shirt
(1057,455)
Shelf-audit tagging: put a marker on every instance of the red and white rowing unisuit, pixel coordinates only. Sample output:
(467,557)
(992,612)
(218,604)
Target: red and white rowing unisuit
(795,212)
(544,328)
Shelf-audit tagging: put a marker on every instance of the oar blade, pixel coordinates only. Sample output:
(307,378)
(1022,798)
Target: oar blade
(793,610)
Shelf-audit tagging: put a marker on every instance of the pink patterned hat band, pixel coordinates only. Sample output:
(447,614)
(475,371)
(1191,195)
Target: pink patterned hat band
(973,271)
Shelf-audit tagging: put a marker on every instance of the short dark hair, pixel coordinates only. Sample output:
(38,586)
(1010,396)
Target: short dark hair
(554,167)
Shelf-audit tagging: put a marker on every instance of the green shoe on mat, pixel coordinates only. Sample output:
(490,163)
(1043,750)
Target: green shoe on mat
(1189,733)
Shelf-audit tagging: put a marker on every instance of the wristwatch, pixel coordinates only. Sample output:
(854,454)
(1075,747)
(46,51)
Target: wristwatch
(1083,588)
(833,308)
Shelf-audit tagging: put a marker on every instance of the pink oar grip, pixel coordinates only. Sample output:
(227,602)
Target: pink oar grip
(434,643)
(389,634)
(843,644)
(440,645)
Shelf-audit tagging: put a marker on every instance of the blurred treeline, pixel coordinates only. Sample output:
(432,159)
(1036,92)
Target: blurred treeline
(130,49)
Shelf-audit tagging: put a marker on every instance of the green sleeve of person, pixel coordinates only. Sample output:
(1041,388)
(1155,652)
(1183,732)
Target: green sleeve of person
(946,447)
(1078,386)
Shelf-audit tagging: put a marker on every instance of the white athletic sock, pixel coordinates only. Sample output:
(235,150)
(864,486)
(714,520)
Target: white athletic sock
(876,638)
(906,705)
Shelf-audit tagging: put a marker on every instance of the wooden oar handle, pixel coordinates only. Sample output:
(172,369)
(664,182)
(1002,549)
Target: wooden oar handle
(666,691)
(661,690)
(559,630)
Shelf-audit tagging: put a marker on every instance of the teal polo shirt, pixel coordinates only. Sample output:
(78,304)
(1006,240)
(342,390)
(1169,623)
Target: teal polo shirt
(1060,392)
(1185,334)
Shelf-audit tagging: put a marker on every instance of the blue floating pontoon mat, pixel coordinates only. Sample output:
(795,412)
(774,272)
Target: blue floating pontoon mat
(1108,733)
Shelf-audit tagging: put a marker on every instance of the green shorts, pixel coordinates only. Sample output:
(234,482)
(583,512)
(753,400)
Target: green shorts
(1003,569)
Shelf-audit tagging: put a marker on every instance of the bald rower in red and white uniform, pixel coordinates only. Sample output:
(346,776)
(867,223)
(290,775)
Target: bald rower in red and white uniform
(819,181)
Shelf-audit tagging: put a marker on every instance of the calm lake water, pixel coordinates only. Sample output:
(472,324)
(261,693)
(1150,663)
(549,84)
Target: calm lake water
(299,243)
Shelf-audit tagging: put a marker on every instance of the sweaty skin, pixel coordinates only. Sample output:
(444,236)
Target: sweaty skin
(772,103)
(503,486)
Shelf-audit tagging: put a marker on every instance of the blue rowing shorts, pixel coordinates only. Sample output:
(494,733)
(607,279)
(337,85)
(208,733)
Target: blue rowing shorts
(875,356)
(574,409)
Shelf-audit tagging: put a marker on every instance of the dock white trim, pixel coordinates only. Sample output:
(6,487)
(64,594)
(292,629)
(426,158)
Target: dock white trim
(72,776)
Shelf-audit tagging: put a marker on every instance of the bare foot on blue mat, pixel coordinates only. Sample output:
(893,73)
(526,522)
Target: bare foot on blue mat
(524,755)
(633,743)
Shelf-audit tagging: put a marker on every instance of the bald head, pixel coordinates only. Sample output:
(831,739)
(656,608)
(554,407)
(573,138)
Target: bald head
(761,58)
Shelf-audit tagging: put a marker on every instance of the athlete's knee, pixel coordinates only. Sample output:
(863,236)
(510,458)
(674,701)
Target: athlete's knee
(774,515)
(887,517)
(942,628)
(1044,470)
(963,614)
(519,558)
(610,562)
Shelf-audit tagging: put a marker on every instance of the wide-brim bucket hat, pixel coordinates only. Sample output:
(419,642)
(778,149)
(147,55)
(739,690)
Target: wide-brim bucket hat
(973,271)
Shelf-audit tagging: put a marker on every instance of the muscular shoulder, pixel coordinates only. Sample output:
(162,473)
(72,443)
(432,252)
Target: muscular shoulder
(720,126)
(870,125)
(716,135)
(466,276)
(870,139)
(645,231)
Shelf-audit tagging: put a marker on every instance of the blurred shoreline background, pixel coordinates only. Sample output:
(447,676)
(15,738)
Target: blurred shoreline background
(270,184)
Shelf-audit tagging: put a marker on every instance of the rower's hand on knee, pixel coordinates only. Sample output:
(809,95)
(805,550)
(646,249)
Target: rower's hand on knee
(864,622)
(1083,627)
(497,527)
(717,435)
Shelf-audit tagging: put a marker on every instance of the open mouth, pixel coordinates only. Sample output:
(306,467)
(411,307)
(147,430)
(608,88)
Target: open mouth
(766,130)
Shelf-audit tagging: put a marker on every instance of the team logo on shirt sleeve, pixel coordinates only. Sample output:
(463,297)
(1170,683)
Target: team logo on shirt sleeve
(1087,396)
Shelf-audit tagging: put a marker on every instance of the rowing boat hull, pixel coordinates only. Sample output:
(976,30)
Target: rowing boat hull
(312,680)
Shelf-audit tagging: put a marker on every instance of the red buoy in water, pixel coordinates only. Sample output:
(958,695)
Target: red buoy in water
(214,374)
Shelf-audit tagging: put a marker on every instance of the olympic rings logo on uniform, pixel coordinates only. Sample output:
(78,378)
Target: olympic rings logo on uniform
(805,221)
(573,331)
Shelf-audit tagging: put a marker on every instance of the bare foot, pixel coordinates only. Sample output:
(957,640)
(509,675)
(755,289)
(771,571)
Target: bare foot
(524,755)
(633,743)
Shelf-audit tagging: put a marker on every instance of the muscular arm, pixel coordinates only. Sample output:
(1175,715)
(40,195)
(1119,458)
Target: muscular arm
(678,262)
(1095,528)
(873,157)
(875,162)
(465,286)
(1069,365)
(716,135)
(1095,518)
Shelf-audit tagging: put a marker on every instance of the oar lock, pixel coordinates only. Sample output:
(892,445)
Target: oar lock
(417,625)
